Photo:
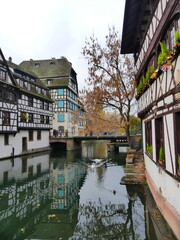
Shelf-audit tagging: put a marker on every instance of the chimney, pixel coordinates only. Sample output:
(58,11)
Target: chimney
(10,59)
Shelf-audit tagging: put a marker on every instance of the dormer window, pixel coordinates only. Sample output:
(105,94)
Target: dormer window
(21,83)
(49,82)
(2,75)
(36,65)
(29,86)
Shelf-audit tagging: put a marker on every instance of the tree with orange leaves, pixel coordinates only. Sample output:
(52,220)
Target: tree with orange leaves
(111,79)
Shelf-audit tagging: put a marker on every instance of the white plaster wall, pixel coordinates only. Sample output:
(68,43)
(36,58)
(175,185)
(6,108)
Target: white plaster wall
(16,143)
(5,150)
(67,124)
(15,171)
(44,142)
(165,184)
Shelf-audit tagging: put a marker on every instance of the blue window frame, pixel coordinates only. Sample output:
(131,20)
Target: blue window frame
(60,104)
(61,178)
(60,92)
(61,117)
(61,206)
(60,193)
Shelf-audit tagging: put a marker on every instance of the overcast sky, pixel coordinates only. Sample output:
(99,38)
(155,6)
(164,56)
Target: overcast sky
(42,29)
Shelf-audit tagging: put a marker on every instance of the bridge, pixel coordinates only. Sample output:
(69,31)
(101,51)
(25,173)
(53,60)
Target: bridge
(73,143)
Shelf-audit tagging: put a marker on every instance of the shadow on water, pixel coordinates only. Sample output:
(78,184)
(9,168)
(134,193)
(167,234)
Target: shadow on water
(72,195)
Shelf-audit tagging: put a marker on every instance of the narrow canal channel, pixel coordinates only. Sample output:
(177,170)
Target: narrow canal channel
(73,195)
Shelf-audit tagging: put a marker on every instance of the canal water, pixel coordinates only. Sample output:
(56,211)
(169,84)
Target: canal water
(73,195)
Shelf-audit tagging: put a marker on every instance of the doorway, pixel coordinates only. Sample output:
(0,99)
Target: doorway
(24,144)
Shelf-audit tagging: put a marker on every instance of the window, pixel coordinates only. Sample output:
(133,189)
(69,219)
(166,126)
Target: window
(6,118)
(30,135)
(60,193)
(5,177)
(41,104)
(47,119)
(9,96)
(24,165)
(60,104)
(60,117)
(4,201)
(148,132)
(60,205)
(38,135)
(61,178)
(60,92)
(24,117)
(49,82)
(46,106)
(30,117)
(30,101)
(177,138)
(41,119)
(36,65)
(6,139)
(30,171)
(160,156)
(21,83)
(39,168)
(172,32)
(29,86)
(2,75)
(52,64)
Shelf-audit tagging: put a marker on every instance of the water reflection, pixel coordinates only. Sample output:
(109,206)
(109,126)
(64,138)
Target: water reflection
(24,190)
(71,195)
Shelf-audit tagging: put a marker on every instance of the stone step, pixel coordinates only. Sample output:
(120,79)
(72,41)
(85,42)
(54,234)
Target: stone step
(132,174)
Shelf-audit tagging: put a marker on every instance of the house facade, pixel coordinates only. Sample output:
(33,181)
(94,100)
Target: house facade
(59,76)
(151,32)
(25,111)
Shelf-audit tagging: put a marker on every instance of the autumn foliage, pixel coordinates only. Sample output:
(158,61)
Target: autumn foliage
(110,83)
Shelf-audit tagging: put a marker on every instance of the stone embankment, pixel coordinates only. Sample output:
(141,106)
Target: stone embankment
(134,168)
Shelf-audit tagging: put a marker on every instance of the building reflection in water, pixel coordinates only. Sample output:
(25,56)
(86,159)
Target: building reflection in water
(24,189)
(64,195)
(98,149)
(35,192)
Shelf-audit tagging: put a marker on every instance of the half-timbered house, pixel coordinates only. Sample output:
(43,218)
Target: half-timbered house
(8,109)
(151,32)
(59,76)
(25,111)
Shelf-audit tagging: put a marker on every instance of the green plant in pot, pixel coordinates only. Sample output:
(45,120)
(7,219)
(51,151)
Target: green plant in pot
(24,117)
(164,53)
(161,156)
(149,149)
(178,164)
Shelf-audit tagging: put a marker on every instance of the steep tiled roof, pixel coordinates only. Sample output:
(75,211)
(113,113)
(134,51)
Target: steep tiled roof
(17,67)
(19,73)
(58,82)
(48,68)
